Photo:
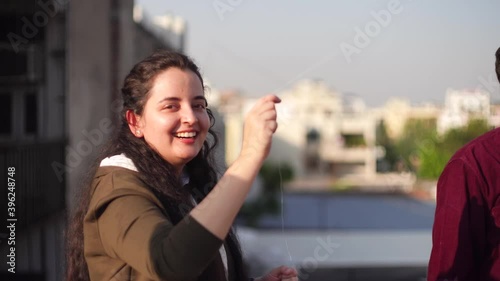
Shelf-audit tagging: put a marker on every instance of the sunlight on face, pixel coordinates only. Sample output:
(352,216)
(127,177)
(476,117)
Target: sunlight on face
(175,121)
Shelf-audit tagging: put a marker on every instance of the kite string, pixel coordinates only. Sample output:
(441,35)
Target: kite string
(283,213)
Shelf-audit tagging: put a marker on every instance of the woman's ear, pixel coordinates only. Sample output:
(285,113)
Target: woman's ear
(133,121)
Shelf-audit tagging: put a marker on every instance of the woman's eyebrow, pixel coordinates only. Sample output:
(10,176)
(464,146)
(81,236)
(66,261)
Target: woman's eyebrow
(169,99)
(178,99)
(200,98)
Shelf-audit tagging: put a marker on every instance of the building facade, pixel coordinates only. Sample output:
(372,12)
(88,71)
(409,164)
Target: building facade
(63,64)
(319,131)
(461,106)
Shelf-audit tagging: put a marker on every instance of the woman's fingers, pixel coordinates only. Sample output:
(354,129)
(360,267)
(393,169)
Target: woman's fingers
(260,125)
(265,104)
(281,273)
(271,98)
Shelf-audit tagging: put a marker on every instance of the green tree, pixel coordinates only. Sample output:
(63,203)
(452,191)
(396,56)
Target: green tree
(432,158)
(416,133)
(435,153)
(391,154)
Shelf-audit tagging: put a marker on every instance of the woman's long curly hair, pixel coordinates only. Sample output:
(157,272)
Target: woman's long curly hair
(157,173)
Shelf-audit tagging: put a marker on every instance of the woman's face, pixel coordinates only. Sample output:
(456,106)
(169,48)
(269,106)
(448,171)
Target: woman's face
(175,121)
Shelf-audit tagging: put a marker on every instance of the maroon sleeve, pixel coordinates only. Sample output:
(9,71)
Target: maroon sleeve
(458,235)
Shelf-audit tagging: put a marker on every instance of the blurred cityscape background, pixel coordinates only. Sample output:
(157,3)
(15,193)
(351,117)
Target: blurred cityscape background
(348,191)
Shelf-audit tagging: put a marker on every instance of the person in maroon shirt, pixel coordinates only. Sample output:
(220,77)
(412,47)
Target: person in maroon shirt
(466,232)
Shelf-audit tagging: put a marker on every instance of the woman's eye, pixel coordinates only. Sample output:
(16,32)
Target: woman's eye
(170,106)
(200,106)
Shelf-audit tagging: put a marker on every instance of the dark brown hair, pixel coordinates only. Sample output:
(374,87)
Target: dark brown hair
(151,165)
(497,64)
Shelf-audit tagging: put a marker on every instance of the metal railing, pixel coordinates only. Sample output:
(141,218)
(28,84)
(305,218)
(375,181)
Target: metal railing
(38,191)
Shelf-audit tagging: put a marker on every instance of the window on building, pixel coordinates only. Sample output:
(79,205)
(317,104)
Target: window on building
(6,113)
(312,136)
(30,113)
(13,64)
(351,140)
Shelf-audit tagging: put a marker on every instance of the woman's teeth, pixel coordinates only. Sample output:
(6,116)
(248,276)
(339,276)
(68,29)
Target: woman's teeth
(186,135)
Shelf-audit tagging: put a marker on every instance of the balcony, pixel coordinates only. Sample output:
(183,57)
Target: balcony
(345,155)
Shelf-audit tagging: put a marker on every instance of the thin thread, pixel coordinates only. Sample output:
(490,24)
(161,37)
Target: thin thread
(283,214)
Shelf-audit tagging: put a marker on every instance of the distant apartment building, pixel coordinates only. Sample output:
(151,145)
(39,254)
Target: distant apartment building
(461,106)
(308,118)
(63,63)
(231,105)
(166,31)
(318,131)
(397,111)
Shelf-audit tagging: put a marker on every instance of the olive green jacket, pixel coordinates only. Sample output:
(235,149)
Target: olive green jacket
(128,234)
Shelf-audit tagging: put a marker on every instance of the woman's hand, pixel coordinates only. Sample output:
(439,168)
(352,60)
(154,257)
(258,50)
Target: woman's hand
(260,125)
(282,273)
(219,208)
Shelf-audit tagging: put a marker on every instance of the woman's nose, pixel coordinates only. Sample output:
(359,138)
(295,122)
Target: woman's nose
(188,116)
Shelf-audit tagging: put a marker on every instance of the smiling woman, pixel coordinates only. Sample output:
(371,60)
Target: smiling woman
(155,209)
(175,120)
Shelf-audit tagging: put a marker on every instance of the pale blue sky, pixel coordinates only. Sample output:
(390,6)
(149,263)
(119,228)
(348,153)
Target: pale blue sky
(264,46)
